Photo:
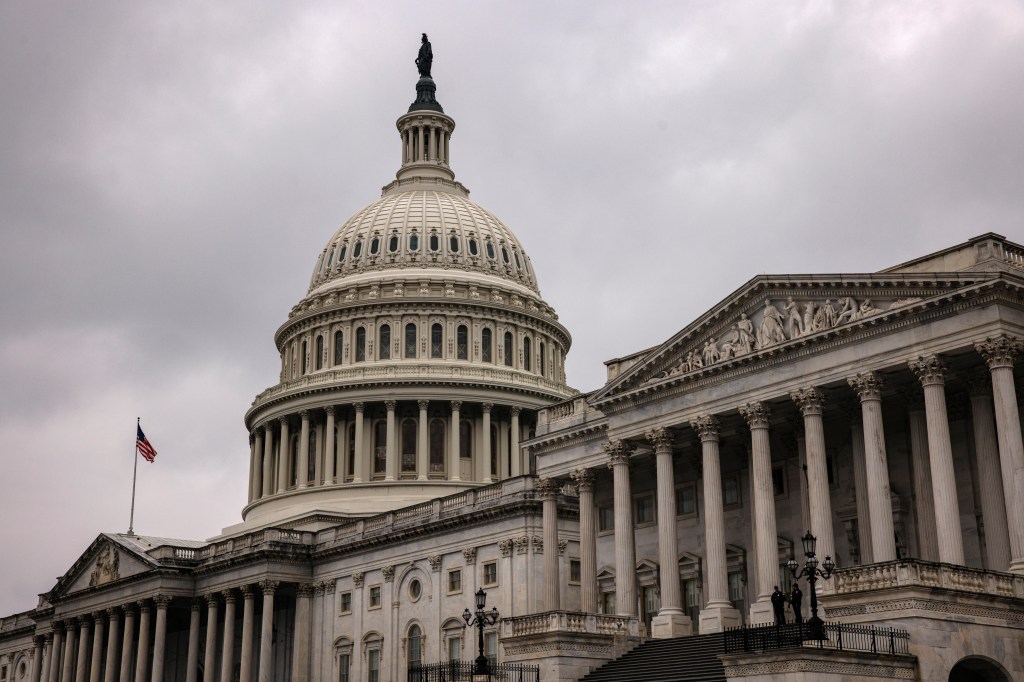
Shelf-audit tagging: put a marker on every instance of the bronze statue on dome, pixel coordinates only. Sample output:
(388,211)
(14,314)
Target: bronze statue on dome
(425,58)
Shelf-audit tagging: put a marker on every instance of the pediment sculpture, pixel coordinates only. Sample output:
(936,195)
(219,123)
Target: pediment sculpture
(106,567)
(778,323)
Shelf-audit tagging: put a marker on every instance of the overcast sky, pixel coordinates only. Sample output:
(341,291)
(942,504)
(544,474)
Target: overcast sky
(169,172)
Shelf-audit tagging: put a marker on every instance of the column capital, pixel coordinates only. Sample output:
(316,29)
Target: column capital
(113,613)
(810,400)
(144,606)
(456,405)
(661,439)
(305,590)
(329,410)
(283,420)
(929,369)
(390,405)
(128,609)
(1000,351)
(247,591)
(358,578)
(162,601)
(584,480)
(268,587)
(756,413)
(388,572)
(99,616)
(195,604)
(486,407)
(435,561)
(85,620)
(706,426)
(547,488)
(211,599)
(867,385)
(304,415)
(423,404)
(618,452)
(266,426)
(57,625)
(469,555)
(229,596)
(359,407)
(516,410)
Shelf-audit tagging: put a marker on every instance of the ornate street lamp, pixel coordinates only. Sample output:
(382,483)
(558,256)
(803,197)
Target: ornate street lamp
(816,627)
(481,620)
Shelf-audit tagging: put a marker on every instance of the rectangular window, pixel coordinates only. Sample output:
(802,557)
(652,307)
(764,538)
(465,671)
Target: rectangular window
(344,663)
(574,571)
(455,580)
(830,468)
(491,647)
(490,573)
(643,510)
(779,480)
(373,672)
(686,500)
(454,648)
(605,518)
(737,592)
(608,603)
(730,491)
(346,602)
(374,602)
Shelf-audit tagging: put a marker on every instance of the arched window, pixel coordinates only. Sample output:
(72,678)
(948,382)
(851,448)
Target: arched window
(410,340)
(453,244)
(436,341)
(414,242)
(319,362)
(414,646)
(393,243)
(374,246)
(465,440)
(358,249)
(339,346)
(542,360)
(360,344)
(486,343)
(473,250)
(462,342)
(527,347)
(409,445)
(490,250)
(313,456)
(437,445)
(504,255)
(341,256)
(305,358)
(380,447)
(384,344)
(435,243)
(509,349)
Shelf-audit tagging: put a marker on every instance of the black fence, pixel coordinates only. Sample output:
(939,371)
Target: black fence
(465,671)
(839,636)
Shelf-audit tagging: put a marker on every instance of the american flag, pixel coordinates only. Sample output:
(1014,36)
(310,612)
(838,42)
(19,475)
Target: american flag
(143,445)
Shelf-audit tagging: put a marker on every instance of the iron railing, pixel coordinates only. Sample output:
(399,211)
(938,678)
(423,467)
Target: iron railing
(839,636)
(465,671)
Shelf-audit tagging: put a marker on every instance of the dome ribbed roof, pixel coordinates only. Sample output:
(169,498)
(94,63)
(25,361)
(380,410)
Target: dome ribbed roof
(422,229)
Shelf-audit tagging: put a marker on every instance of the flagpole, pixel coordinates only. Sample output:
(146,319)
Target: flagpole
(135,472)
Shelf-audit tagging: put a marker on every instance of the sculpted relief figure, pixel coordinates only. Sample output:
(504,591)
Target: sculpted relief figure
(771,331)
(794,322)
(106,568)
(867,309)
(849,312)
(711,354)
(745,327)
(809,318)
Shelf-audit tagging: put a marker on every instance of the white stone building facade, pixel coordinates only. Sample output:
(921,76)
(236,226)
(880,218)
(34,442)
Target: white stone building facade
(421,444)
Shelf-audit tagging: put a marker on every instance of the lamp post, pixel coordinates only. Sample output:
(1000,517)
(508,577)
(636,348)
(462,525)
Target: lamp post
(481,620)
(816,626)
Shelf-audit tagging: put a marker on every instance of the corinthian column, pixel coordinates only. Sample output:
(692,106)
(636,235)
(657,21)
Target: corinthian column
(110,667)
(128,643)
(268,459)
(266,673)
(38,642)
(485,454)
(95,669)
(517,455)
(70,635)
(1000,352)
(810,401)
(931,372)
(390,460)
(422,444)
(302,475)
(300,661)
(584,481)
(53,674)
(160,640)
(359,472)
(625,547)
(924,501)
(868,386)
(330,447)
(990,478)
(210,659)
(670,621)
(192,662)
(245,664)
(283,458)
(84,643)
(142,650)
(227,654)
(547,491)
(719,613)
(766,540)
(453,457)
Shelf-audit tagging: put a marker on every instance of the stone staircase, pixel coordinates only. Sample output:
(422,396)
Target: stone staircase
(682,659)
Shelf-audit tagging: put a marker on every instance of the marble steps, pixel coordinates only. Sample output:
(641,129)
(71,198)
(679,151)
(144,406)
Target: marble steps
(681,659)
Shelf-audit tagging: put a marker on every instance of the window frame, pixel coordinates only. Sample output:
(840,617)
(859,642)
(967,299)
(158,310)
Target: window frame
(374,593)
(454,575)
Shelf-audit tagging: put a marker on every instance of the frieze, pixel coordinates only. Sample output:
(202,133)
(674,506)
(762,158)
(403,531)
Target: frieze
(798,665)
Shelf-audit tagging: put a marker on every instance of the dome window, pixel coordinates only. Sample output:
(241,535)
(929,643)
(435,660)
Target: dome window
(305,357)
(384,349)
(473,251)
(486,345)
(436,338)
(375,246)
(360,343)
(453,244)
(504,255)
(410,340)
(462,342)
(508,349)
(519,266)
(541,359)
(330,259)
(490,250)
(393,243)
(339,346)
(414,242)
(358,249)
(435,243)
(527,345)
(341,256)
(318,362)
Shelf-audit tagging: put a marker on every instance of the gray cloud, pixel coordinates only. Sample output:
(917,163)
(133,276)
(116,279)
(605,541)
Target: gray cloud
(170,171)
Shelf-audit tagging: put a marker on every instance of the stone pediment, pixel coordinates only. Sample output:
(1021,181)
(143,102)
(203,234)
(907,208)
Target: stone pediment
(106,561)
(771,315)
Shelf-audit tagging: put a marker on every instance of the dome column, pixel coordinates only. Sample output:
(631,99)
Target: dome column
(302,475)
(488,475)
(268,459)
(390,461)
(283,457)
(359,473)
(422,452)
(330,447)
(516,454)
(257,465)
(453,456)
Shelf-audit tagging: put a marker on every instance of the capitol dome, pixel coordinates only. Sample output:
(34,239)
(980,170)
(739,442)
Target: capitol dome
(417,360)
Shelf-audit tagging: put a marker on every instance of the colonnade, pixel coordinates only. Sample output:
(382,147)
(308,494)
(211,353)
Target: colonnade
(999,453)
(351,438)
(425,143)
(108,646)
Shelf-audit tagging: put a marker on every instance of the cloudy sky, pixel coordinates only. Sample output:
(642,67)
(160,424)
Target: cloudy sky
(169,172)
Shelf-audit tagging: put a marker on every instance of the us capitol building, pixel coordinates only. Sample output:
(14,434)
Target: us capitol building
(421,443)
